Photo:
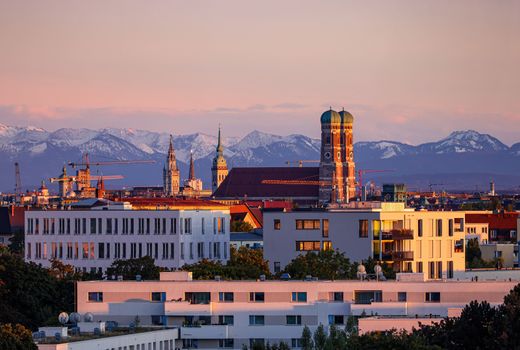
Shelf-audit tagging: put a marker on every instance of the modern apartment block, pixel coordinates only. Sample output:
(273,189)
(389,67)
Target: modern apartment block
(427,242)
(92,238)
(228,314)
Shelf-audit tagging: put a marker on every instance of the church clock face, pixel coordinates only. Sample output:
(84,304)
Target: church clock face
(327,155)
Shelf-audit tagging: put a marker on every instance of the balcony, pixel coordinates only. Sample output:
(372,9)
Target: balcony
(205,332)
(185,308)
(380,308)
(397,234)
(402,256)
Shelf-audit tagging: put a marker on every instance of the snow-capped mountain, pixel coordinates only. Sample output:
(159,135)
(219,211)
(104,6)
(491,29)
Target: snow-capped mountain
(41,153)
(464,141)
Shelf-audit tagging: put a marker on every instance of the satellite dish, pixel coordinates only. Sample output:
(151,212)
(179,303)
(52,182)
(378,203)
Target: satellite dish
(361,269)
(378,270)
(63,318)
(75,317)
(88,317)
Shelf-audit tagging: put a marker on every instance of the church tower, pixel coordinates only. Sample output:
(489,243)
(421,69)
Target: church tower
(171,174)
(349,167)
(219,170)
(331,188)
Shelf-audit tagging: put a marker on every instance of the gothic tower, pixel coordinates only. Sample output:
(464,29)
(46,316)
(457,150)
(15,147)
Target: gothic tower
(219,170)
(349,167)
(171,174)
(331,159)
(191,175)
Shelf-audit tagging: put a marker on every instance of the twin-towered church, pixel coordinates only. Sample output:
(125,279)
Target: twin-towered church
(334,181)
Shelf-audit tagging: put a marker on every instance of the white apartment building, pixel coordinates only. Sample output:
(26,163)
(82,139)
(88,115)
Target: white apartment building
(91,239)
(427,242)
(228,314)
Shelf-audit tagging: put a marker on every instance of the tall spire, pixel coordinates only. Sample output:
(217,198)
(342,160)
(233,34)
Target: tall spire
(192,168)
(220,149)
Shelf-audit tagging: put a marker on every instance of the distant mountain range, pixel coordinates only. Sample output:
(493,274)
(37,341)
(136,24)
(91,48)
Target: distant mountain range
(464,160)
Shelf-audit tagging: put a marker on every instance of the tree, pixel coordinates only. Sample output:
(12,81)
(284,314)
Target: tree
(144,266)
(246,263)
(17,242)
(29,294)
(320,338)
(337,339)
(206,269)
(306,340)
(326,264)
(474,255)
(510,312)
(241,226)
(16,337)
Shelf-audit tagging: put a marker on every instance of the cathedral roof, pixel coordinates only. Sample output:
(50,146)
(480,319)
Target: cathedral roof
(248,182)
(330,117)
(346,117)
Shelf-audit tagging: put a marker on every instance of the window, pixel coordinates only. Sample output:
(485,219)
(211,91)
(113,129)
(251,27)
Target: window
(198,297)
(277,267)
(258,297)
(299,297)
(450,269)
(325,228)
(419,268)
(433,297)
(101,250)
(458,247)
(293,319)
(277,224)
(337,296)
(439,269)
(302,246)
(226,319)
(158,296)
(226,343)
(95,297)
(401,296)
(459,225)
(439,227)
(173,226)
(327,245)
(256,320)
(368,296)
(431,269)
(187,226)
(336,319)
(450,227)
(92,226)
(363,228)
(307,224)
(227,297)
(420,227)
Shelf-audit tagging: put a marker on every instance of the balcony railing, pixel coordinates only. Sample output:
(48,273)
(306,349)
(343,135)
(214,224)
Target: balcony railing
(402,256)
(397,234)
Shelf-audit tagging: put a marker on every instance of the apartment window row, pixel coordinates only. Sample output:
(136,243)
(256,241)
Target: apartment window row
(141,226)
(305,246)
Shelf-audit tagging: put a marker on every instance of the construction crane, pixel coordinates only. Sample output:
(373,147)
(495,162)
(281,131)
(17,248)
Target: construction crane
(83,176)
(368,171)
(300,162)
(18,179)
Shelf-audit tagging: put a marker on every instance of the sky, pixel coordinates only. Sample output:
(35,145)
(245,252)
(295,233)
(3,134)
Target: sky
(410,71)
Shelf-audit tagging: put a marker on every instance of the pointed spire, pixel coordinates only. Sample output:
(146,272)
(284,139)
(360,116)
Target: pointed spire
(170,149)
(220,149)
(192,167)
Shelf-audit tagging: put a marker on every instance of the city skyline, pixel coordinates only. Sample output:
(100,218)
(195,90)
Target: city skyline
(420,70)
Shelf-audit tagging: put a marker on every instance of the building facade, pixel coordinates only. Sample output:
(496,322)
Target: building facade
(219,170)
(171,174)
(91,239)
(230,314)
(427,242)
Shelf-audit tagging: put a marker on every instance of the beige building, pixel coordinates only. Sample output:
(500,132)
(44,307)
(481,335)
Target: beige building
(478,230)
(427,242)
(505,253)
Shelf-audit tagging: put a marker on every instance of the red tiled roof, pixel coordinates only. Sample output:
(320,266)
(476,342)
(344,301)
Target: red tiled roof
(171,202)
(498,221)
(247,183)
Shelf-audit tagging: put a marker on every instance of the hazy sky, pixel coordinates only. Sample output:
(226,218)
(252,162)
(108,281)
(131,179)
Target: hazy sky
(408,70)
